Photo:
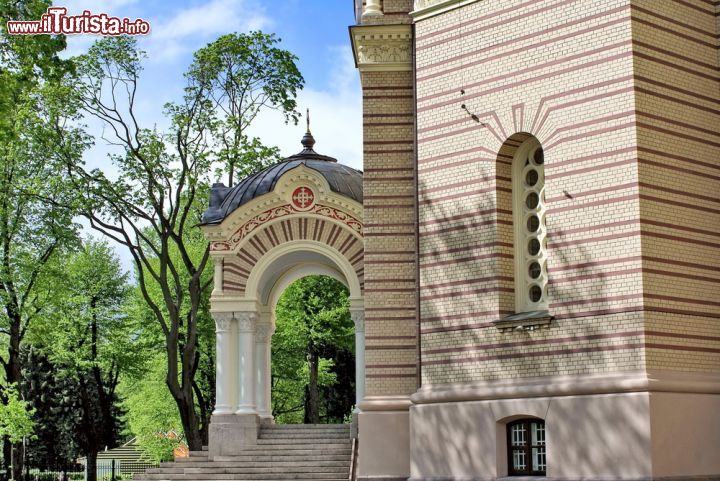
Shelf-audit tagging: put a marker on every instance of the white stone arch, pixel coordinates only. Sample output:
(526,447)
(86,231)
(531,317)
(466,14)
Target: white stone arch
(268,271)
(273,273)
(245,314)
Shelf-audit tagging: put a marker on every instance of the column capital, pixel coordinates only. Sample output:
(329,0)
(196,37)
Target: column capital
(263,332)
(246,321)
(358,318)
(222,321)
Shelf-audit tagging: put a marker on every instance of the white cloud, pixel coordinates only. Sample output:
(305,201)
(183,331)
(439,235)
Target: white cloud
(78,44)
(336,116)
(190,28)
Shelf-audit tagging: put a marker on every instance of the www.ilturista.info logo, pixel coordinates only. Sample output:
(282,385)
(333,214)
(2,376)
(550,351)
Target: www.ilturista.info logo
(57,22)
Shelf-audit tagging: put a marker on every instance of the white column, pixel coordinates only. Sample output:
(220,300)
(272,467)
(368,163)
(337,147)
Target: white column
(372,9)
(225,364)
(246,374)
(358,317)
(263,335)
(218,276)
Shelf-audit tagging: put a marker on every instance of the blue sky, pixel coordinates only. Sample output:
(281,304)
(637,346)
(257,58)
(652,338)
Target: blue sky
(314,30)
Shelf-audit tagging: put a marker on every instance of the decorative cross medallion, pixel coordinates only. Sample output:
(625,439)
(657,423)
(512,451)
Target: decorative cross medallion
(303,198)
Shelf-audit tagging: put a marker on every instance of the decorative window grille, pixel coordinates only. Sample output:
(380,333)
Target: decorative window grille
(529,225)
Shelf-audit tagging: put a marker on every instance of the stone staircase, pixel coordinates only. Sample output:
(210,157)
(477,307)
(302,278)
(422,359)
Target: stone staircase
(317,452)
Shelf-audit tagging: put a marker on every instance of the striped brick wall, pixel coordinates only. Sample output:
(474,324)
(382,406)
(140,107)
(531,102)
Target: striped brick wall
(677,76)
(237,269)
(389,232)
(561,70)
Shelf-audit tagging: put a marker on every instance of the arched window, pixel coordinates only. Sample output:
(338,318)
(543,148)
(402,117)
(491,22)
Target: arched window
(528,180)
(527,454)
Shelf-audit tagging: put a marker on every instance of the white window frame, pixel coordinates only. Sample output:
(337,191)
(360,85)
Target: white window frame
(522,236)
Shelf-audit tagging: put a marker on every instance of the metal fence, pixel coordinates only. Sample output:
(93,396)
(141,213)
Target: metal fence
(114,471)
(122,470)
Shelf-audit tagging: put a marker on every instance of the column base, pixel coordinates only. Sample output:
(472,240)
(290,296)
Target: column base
(246,410)
(229,433)
(223,411)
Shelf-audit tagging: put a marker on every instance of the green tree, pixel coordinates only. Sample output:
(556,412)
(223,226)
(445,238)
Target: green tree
(152,417)
(162,181)
(15,416)
(89,339)
(57,412)
(313,330)
(31,229)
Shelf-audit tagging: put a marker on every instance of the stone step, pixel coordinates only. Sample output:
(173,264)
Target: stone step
(239,476)
(297,455)
(290,441)
(279,461)
(301,435)
(306,426)
(213,469)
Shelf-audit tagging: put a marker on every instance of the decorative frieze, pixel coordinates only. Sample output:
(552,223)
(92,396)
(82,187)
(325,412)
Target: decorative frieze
(382,48)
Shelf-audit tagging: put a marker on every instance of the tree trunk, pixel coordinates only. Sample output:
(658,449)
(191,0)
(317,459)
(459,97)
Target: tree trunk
(12,376)
(7,448)
(91,466)
(188,417)
(312,407)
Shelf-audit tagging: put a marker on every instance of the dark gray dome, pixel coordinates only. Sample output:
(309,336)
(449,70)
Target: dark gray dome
(341,178)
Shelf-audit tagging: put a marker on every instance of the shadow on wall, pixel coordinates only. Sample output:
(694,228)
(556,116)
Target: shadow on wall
(606,435)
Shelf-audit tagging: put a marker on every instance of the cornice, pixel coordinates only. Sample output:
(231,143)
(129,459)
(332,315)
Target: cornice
(571,385)
(382,48)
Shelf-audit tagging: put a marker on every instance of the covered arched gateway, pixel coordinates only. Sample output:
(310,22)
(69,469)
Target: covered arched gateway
(299,217)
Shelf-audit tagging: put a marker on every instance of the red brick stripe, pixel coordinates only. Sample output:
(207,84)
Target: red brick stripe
(553,352)
(513,17)
(536,342)
(524,48)
(396,347)
(674,21)
(694,7)
(674,33)
(533,68)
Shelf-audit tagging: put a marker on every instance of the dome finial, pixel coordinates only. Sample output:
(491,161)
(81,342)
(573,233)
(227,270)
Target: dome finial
(308,140)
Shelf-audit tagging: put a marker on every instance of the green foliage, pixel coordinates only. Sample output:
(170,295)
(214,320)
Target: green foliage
(241,74)
(86,344)
(312,316)
(15,416)
(152,416)
(34,225)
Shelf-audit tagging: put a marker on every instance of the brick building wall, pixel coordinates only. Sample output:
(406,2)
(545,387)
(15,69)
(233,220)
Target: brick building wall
(562,71)
(677,89)
(389,210)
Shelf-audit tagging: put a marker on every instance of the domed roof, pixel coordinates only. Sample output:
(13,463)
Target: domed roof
(341,178)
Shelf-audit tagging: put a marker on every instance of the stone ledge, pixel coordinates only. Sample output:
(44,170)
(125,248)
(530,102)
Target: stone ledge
(524,320)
